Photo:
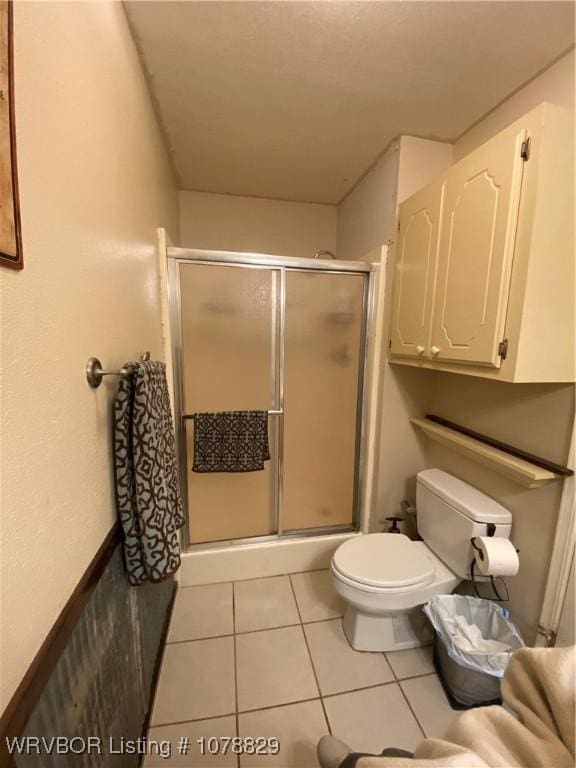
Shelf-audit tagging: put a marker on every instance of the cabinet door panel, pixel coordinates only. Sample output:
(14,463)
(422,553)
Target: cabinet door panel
(416,250)
(475,256)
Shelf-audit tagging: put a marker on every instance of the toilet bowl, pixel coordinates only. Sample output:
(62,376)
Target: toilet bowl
(385,578)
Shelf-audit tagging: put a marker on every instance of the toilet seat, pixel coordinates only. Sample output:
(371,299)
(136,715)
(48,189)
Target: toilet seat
(383,562)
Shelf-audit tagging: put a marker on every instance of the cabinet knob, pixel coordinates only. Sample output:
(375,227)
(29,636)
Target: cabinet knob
(434,350)
(420,349)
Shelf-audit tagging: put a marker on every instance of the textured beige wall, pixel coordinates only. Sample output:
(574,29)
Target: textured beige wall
(421,161)
(366,215)
(94,185)
(234,223)
(555,85)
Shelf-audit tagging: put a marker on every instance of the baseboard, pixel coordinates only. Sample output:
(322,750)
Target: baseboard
(252,561)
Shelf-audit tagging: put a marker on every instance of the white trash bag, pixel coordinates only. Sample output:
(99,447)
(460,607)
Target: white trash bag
(476,633)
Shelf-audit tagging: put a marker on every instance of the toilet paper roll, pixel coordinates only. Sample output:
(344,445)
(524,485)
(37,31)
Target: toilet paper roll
(497,556)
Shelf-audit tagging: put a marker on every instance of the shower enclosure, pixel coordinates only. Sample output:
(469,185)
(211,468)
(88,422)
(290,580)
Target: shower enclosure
(286,335)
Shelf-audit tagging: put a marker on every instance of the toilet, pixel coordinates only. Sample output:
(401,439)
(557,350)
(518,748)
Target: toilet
(385,578)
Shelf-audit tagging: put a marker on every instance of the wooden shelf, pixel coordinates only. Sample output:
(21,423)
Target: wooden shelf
(521,471)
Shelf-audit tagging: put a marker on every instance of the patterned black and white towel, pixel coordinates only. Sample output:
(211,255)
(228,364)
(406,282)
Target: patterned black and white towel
(147,493)
(230,441)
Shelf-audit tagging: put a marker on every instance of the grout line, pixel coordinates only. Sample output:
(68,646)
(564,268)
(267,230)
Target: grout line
(414,715)
(323,696)
(403,692)
(356,690)
(268,629)
(415,677)
(297,701)
(235,670)
(210,584)
(260,578)
(310,657)
(324,621)
(193,720)
(200,639)
(256,578)
(277,575)
(253,631)
(396,680)
(279,706)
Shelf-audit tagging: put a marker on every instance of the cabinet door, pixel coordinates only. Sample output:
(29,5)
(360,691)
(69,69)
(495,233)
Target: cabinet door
(416,252)
(478,229)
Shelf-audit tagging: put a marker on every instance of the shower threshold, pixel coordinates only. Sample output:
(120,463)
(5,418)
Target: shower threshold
(288,536)
(260,557)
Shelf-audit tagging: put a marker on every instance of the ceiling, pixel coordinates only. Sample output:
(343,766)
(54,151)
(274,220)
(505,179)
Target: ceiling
(295,100)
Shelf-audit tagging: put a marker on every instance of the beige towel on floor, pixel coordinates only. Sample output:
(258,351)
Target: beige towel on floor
(539,688)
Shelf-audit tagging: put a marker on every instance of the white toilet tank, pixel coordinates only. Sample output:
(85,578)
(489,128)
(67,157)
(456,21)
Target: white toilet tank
(450,512)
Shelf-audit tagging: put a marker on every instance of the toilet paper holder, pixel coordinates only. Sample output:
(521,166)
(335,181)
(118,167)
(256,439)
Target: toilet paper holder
(480,552)
(480,555)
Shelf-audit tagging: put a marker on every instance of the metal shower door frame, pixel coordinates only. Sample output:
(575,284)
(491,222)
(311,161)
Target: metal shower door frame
(280,266)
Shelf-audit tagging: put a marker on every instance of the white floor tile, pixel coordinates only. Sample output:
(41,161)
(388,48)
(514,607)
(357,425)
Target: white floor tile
(338,666)
(196,681)
(273,668)
(429,702)
(264,603)
(298,727)
(412,662)
(373,719)
(198,755)
(204,611)
(317,599)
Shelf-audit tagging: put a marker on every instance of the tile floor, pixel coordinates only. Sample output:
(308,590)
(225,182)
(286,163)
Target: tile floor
(268,657)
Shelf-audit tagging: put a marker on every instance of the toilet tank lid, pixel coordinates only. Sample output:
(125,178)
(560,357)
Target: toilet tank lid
(464,497)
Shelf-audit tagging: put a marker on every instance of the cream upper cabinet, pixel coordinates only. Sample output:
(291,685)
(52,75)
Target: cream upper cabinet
(476,248)
(484,278)
(416,249)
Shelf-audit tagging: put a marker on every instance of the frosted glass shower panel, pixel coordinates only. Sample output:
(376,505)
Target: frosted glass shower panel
(223,506)
(228,337)
(324,322)
(229,327)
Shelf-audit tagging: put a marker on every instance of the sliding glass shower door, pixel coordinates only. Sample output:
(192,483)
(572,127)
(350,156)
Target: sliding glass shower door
(322,367)
(229,363)
(281,339)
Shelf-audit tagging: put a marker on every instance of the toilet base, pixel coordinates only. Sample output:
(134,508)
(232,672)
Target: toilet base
(395,632)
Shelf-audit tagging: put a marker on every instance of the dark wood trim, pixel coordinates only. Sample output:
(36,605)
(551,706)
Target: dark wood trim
(558,469)
(26,696)
(5,259)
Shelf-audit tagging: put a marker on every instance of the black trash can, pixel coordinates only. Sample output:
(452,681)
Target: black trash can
(464,687)
(471,674)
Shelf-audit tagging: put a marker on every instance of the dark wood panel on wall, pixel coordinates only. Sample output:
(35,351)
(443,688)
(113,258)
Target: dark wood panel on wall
(102,681)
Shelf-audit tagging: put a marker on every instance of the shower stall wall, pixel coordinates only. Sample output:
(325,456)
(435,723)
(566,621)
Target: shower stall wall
(286,335)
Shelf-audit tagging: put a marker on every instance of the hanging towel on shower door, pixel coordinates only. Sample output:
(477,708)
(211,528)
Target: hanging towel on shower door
(147,493)
(230,441)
